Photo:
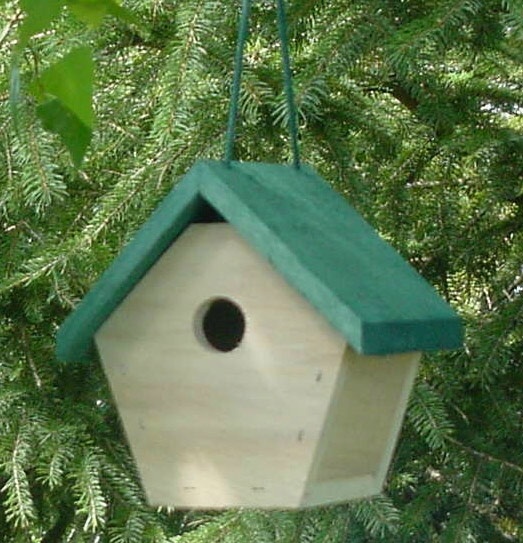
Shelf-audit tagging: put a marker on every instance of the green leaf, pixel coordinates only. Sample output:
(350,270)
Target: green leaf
(92,12)
(60,120)
(70,80)
(39,15)
(65,91)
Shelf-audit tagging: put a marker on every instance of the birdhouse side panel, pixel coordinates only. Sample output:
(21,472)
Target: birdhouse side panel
(362,427)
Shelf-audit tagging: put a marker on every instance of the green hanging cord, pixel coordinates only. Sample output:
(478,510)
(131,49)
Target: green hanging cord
(289,91)
(287,76)
(243,32)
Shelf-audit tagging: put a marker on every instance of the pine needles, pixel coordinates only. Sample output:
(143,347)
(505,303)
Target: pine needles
(411,109)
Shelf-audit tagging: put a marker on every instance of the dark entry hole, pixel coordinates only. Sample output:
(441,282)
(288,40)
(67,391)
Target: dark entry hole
(222,324)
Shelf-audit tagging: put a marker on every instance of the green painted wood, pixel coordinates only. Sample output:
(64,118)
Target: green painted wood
(313,238)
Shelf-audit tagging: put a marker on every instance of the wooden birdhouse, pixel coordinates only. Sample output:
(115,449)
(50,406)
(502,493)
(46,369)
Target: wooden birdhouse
(260,340)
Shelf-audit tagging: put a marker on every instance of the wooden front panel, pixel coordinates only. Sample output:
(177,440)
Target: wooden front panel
(214,429)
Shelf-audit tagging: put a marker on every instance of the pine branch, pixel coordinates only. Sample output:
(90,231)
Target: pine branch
(485,456)
(28,356)
(62,524)
(404,96)
(429,417)
(19,503)
(11,23)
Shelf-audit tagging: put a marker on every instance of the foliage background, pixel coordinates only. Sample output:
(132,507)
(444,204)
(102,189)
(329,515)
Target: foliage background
(412,109)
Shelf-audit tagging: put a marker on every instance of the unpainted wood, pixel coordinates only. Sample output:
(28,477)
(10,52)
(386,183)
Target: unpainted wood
(362,427)
(211,429)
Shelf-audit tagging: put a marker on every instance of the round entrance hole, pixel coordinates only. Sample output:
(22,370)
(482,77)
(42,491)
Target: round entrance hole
(221,323)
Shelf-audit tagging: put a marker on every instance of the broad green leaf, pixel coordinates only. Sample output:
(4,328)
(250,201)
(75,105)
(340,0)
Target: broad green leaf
(92,12)
(65,91)
(39,15)
(60,120)
(70,80)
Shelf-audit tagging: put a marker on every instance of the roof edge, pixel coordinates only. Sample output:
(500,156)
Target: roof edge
(411,336)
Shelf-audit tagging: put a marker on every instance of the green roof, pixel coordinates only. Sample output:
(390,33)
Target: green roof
(311,236)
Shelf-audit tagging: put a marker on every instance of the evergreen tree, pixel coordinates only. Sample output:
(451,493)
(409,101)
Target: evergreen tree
(411,109)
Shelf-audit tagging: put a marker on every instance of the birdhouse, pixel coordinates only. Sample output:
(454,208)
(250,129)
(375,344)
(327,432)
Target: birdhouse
(260,340)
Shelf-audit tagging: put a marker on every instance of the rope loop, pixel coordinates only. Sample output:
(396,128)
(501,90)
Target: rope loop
(243,32)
